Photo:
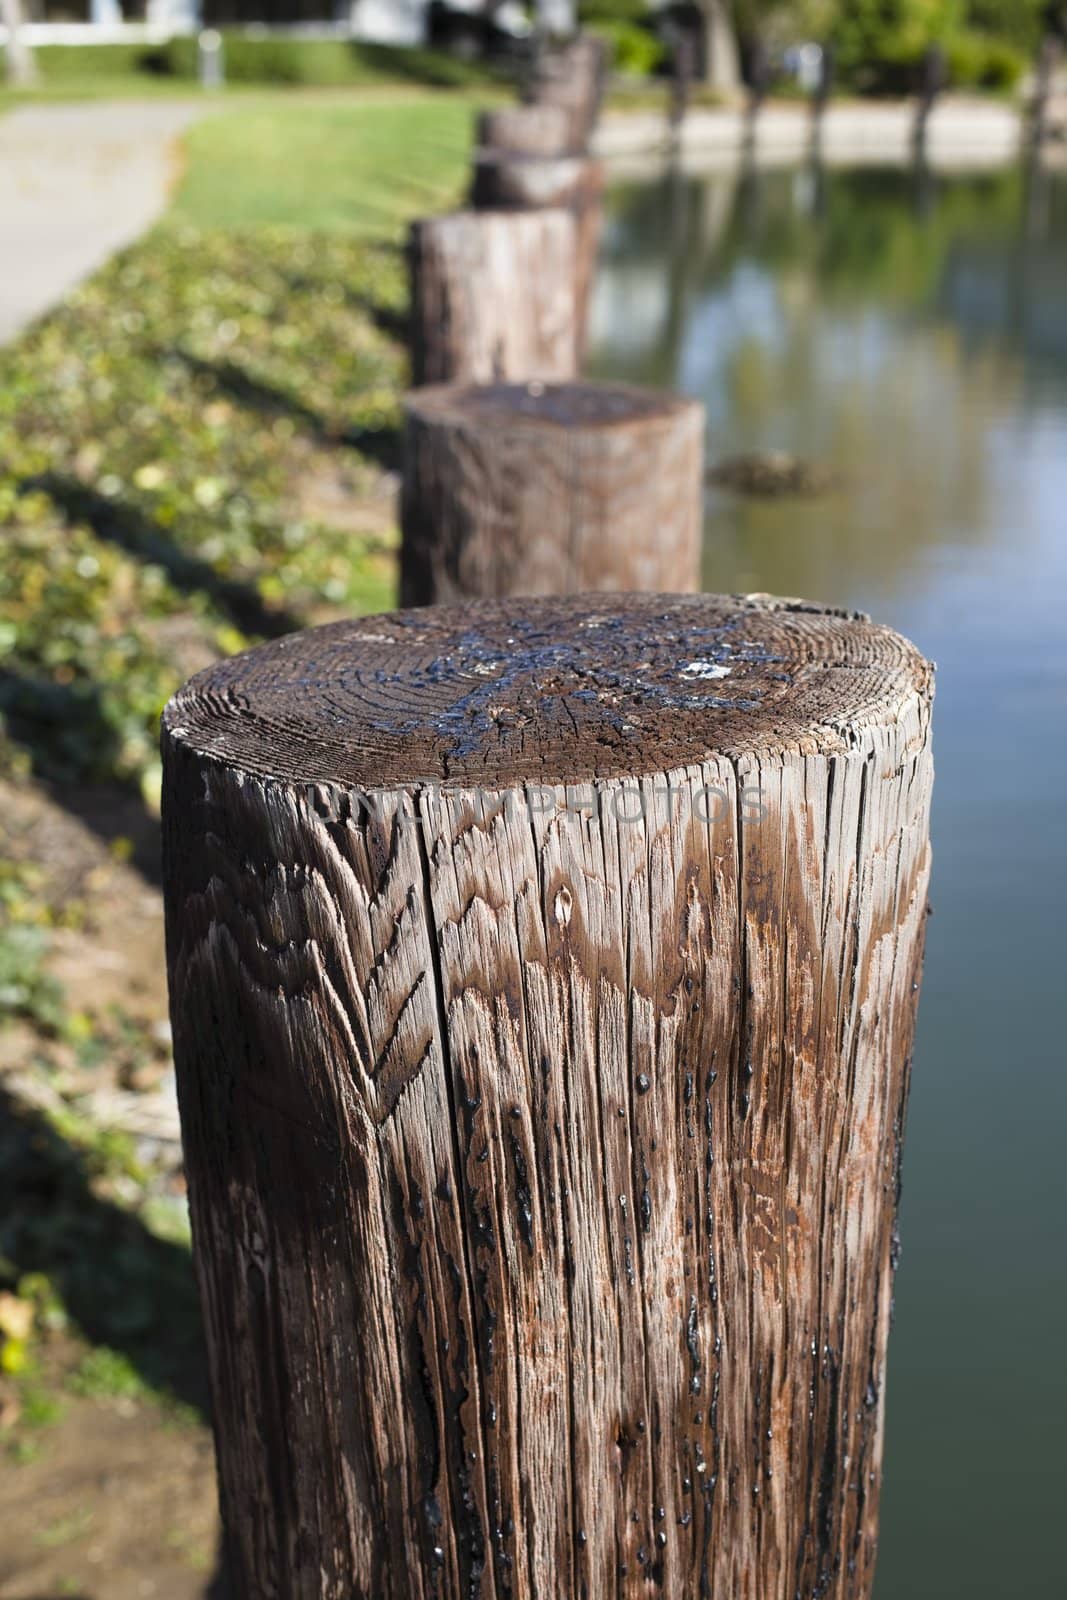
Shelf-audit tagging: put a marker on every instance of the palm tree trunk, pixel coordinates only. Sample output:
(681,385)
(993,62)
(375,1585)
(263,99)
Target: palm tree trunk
(723,59)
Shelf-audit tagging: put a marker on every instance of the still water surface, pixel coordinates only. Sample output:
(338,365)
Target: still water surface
(911,332)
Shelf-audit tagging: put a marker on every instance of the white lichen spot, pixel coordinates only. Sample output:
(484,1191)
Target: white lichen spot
(705,669)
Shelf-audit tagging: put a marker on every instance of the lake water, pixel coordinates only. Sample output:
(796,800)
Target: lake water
(910,332)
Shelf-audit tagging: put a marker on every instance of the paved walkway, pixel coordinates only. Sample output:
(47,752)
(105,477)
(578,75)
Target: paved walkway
(77,182)
(962,131)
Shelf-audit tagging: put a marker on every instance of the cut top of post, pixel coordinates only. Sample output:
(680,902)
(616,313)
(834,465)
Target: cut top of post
(562,405)
(559,690)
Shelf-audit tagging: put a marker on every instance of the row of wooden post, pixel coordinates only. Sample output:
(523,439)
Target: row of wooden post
(519,478)
(543,975)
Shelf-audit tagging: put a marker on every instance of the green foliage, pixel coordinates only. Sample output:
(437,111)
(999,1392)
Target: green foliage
(256,60)
(105,1374)
(156,433)
(26,990)
(75,63)
(1013,22)
(279,59)
(635,51)
(976,61)
(880,44)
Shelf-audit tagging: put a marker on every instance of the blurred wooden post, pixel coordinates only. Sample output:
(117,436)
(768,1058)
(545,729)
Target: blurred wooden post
(549,489)
(494,296)
(759,71)
(934,78)
(683,69)
(1047,62)
(503,180)
(543,979)
(823,93)
(571,77)
(540,130)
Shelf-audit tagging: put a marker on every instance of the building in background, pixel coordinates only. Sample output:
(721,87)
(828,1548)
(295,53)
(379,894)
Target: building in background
(398,22)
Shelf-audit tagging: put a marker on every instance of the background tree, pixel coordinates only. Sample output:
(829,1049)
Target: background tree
(20,65)
(723,57)
(881,43)
(1018,21)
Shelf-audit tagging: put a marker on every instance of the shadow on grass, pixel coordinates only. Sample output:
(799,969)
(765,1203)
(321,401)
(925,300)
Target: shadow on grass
(382,445)
(394,324)
(121,1285)
(128,527)
(57,724)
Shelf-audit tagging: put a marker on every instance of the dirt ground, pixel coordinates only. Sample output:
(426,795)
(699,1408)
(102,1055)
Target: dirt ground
(115,1501)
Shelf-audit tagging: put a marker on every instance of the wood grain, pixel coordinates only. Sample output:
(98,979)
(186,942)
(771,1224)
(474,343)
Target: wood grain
(549,489)
(543,981)
(494,296)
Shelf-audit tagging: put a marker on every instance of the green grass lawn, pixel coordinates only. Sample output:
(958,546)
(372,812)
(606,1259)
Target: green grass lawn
(357,167)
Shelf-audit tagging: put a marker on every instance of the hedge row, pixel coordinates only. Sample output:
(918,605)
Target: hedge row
(268,59)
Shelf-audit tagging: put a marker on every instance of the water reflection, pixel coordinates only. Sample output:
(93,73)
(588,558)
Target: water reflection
(910,331)
(885,323)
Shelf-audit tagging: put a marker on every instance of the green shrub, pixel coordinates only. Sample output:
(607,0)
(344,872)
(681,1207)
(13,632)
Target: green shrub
(68,63)
(880,44)
(262,58)
(634,50)
(275,59)
(1015,22)
(978,62)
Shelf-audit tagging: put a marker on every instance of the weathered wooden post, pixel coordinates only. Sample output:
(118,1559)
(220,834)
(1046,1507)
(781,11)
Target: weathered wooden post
(533,130)
(683,69)
(505,181)
(1044,82)
(543,980)
(571,77)
(932,85)
(494,296)
(549,489)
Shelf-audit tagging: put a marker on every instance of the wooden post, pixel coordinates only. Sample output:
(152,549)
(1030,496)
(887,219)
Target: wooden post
(683,66)
(571,77)
(543,980)
(1044,83)
(932,86)
(494,296)
(506,181)
(536,130)
(549,489)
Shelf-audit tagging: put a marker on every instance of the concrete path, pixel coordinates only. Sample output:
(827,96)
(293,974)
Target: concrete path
(77,182)
(963,131)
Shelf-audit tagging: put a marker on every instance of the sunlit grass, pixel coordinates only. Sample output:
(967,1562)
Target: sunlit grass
(353,166)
